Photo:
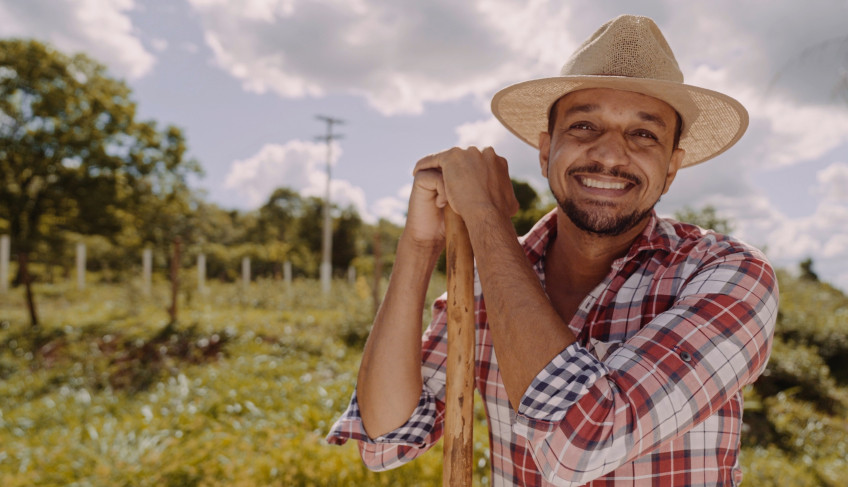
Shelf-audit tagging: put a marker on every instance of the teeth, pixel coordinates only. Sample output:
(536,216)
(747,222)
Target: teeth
(594,183)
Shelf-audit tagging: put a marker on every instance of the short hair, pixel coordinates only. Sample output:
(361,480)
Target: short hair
(678,129)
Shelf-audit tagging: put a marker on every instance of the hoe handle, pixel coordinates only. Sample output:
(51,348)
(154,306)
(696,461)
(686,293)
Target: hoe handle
(459,400)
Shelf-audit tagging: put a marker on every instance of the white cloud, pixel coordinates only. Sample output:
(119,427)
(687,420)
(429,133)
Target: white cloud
(298,165)
(100,28)
(395,55)
(400,56)
(833,182)
(791,131)
(836,247)
(482,133)
(802,133)
(393,208)
(822,235)
(159,44)
(189,47)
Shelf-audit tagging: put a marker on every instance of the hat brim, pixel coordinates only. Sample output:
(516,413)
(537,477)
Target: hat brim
(712,121)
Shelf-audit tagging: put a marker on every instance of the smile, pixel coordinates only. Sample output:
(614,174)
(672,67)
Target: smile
(594,183)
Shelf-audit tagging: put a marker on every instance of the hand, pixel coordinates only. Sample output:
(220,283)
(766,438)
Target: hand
(473,182)
(425,225)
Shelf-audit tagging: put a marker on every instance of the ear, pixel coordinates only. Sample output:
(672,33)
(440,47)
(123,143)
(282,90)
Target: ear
(544,152)
(673,166)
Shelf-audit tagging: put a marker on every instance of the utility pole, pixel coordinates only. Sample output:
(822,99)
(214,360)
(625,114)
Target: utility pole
(327,241)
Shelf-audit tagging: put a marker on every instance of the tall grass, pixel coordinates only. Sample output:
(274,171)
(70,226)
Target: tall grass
(243,388)
(240,391)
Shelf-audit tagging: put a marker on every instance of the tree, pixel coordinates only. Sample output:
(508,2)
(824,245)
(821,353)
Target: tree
(529,207)
(73,157)
(346,234)
(278,216)
(807,271)
(526,196)
(706,218)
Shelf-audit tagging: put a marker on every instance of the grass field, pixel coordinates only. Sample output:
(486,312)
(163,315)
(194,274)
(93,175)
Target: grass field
(240,391)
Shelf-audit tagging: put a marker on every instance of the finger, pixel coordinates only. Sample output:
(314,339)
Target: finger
(427,178)
(431,180)
(441,194)
(432,161)
(438,160)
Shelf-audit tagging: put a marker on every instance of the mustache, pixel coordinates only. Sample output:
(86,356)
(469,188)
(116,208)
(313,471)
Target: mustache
(597,168)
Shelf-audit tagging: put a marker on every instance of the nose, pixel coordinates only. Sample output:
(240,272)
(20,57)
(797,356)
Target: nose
(609,149)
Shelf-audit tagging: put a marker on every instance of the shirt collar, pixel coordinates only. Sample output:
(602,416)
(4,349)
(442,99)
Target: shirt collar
(657,235)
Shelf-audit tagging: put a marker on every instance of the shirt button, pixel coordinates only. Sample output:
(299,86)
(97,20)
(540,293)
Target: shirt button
(685,356)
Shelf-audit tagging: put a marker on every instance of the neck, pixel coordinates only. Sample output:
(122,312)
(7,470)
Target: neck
(580,259)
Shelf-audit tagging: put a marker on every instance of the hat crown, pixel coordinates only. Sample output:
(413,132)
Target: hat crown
(628,45)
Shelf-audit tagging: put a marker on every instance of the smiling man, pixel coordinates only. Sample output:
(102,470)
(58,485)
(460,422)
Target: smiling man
(612,346)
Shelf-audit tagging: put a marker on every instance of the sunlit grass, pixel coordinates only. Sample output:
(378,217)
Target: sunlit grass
(244,387)
(241,391)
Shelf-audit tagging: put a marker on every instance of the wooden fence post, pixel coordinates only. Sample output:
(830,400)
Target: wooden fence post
(201,273)
(80,266)
(287,274)
(245,272)
(4,264)
(175,280)
(147,270)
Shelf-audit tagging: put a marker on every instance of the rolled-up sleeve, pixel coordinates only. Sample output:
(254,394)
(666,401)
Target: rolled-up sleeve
(563,381)
(425,426)
(420,432)
(583,416)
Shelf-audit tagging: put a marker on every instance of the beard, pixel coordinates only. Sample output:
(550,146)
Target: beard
(597,223)
(592,217)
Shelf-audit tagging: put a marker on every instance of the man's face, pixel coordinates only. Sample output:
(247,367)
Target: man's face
(610,158)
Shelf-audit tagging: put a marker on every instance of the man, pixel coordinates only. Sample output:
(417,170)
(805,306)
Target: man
(612,346)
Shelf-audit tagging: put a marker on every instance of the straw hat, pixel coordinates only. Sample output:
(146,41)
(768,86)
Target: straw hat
(628,53)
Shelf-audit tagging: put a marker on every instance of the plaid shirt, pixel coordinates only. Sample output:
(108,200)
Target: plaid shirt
(651,392)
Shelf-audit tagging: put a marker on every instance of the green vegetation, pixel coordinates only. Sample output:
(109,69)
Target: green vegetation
(244,388)
(76,165)
(106,392)
(74,159)
(103,387)
(706,217)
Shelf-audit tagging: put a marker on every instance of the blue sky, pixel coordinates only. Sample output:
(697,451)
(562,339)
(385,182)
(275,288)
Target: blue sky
(246,79)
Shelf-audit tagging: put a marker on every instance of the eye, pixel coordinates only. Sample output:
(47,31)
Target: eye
(582,126)
(645,134)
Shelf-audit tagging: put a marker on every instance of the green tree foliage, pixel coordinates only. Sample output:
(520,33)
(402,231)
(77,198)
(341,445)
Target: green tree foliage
(277,217)
(796,430)
(73,157)
(311,226)
(346,239)
(807,271)
(530,208)
(706,218)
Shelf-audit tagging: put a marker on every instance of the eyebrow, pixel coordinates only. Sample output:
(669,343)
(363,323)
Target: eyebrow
(650,117)
(591,107)
(587,108)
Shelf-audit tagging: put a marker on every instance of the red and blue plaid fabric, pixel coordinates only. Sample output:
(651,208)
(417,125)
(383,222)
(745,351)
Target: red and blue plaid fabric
(651,393)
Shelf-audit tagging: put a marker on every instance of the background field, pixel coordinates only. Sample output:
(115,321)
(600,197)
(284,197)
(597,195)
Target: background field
(242,390)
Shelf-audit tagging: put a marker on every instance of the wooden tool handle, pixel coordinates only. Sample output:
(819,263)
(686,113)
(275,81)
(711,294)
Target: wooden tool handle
(459,401)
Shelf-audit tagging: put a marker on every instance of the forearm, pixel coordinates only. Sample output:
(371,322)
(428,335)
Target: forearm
(389,382)
(527,332)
